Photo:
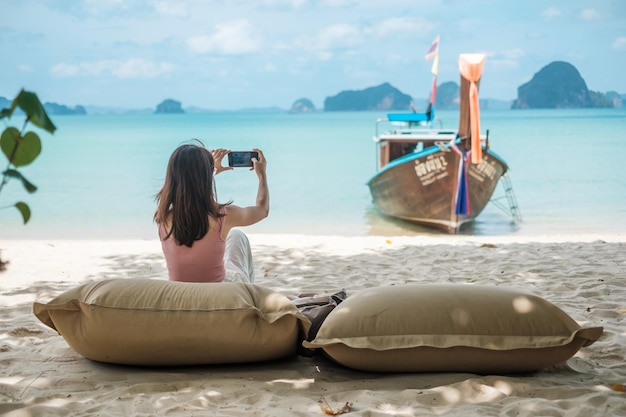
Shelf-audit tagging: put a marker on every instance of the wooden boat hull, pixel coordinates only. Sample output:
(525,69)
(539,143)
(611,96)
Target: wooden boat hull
(422,187)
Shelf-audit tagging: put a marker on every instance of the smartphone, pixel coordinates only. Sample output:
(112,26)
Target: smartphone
(241,159)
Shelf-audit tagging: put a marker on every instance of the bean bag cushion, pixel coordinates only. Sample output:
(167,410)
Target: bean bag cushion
(158,322)
(445,328)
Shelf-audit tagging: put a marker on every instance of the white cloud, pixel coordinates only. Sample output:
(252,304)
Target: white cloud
(339,36)
(293,4)
(619,43)
(550,13)
(139,68)
(506,59)
(24,68)
(404,25)
(104,3)
(590,14)
(201,44)
(324,56)
(170,8)
(224,73)
(338,3)
(64,70)
(98,6)
(97,68)
(514,53)
(503,63)
(231,38)
(132,68)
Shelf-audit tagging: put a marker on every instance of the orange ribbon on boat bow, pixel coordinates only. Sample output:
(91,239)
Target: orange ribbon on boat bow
(471,68)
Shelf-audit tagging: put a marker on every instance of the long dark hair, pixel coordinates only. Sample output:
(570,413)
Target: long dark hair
(188,196)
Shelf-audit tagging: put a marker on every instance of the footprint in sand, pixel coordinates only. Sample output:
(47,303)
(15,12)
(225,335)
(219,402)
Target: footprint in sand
(24,332)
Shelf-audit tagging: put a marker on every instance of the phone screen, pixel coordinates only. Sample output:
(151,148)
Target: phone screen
(241,159)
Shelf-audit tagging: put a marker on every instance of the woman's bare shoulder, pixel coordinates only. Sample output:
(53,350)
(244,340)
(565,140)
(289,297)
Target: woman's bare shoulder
(230,208)
(233,213)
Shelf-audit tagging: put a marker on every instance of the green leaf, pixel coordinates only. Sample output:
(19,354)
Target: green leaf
(14,173)
(24,209)
(9,138)
(6,113)
(29,102)
(20,150)
(9,112)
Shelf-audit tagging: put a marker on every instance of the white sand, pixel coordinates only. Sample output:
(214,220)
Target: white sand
(40,375)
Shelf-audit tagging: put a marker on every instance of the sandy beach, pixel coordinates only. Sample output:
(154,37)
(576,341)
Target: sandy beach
(40,375)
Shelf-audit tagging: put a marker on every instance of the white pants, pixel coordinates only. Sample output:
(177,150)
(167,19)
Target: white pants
(238,258)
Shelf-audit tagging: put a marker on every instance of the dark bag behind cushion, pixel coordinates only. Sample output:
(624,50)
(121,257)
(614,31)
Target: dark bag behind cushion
(316,308)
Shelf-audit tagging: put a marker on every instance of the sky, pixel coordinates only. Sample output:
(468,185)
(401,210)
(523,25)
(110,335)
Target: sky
(233,54)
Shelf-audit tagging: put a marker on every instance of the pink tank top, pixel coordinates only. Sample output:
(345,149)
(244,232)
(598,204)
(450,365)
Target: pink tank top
(202,262)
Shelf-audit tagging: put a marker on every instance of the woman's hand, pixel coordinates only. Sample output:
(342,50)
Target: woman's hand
(218,155)
(259,164)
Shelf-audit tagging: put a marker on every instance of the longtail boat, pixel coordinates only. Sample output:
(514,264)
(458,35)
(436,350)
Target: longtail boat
(435,177)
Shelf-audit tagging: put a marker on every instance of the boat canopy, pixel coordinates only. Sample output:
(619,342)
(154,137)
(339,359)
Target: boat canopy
(413,117)
(408,117)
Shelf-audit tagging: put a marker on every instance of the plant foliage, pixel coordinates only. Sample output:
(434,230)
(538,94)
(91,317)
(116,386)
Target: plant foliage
(22,147)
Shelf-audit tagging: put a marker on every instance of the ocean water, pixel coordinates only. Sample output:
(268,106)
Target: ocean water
(97,175)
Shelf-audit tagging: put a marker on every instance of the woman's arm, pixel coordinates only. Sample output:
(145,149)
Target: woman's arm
(245,216)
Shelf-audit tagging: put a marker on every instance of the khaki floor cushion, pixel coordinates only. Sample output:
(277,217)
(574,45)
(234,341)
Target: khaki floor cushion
(158,322)
(449,328)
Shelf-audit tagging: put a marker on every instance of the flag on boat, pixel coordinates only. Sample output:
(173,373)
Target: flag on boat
(435,68)
(433,91)
(433,51)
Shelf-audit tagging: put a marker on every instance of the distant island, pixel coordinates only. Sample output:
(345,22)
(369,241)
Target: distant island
(51,108)
(384,97)
(302,105)
(54,109)
(556,85)
(169,106)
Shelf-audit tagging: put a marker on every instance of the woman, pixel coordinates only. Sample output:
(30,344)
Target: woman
(196,232)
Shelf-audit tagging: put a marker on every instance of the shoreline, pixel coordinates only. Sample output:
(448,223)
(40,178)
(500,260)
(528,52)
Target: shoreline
(581,274)
(77,259)
(418,237)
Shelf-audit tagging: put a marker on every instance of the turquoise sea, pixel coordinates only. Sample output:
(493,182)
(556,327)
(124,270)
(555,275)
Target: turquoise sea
(97,175)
